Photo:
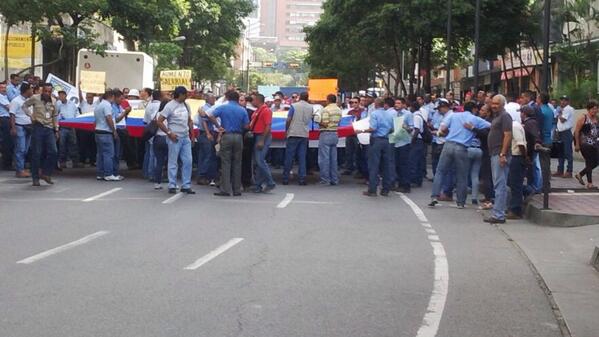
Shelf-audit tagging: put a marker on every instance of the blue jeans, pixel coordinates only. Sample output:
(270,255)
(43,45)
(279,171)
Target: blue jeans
(475,155)
(43,140)
(116,159)
(379,159)
(263,175)
(296,146)
(161,153)
(68,145)
(566,138)
(22,141)
(453,157)
(149,160)
(436,150)
(327,157)
(181,149)
(500,176)
(416,162)
(535,176)
(104,155)
(402,166)
(207,161)
(516,182)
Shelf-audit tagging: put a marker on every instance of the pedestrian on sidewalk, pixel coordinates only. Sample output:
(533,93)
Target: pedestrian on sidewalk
(500,141)
(586,136)
(565,124)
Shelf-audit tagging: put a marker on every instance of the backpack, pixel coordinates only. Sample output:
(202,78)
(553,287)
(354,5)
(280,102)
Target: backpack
(426,134)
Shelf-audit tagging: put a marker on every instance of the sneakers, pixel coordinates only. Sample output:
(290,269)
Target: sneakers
(157,186)
(269,188)
(172,190)
(212,183)
(493,220)
(187,191)
(113,178)
(461,206)
(433,203)
(36,183)
(99,178)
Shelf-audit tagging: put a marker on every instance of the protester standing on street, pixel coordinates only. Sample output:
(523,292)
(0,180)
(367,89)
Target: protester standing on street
(454,156)
(6,143)
(106,139)
(327,142)
(207,161)
(352,146)
(14,87)
(150,114)
(587,138)
(234,119)
(417,147)
(402,148)
(565,124)
(260,126)
(180,138)
(379,151)
(44,118)
(500,143)
(298,129)
(68,137)
(160,149)
(20,129)
(518,165)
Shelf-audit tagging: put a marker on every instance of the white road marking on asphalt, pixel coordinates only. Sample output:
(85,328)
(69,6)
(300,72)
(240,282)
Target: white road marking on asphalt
(39,199)
(173,198)
(436,304)
(208,257)
(288,198)
(430,231)
(62,248)
(102,195)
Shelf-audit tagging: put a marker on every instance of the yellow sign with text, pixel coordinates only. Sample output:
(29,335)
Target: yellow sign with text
(93,81)
(19,46)
(170,79)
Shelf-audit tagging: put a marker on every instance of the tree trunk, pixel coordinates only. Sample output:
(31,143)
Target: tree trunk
(426,65)
(6,75)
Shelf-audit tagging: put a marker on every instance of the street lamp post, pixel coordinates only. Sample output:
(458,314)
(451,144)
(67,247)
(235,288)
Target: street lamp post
(545,87)
(447,80)
(476,44)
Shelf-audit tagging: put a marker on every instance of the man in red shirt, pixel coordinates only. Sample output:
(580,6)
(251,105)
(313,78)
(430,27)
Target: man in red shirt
(261,127)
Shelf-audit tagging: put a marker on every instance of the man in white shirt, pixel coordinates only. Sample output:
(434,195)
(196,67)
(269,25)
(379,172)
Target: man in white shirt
(20,129)
(565,123)
(68,137)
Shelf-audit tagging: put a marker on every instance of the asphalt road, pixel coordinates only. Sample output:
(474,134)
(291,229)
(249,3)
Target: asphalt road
(301,261)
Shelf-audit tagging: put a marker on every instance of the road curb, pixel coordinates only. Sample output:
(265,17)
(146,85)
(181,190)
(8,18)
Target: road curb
(553,218)
(562,322)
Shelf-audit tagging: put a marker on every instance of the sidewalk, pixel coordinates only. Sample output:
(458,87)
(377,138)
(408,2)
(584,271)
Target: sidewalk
(570,204)
(562,257)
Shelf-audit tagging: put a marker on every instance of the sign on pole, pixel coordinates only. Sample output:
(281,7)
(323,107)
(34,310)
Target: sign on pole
(93,81)
(170,79)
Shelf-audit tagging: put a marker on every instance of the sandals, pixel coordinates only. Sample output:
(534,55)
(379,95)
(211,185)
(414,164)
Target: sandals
(579,178)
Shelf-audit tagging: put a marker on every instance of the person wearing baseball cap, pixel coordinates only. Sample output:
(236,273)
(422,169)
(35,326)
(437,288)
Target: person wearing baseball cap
(565,124)
(180,138)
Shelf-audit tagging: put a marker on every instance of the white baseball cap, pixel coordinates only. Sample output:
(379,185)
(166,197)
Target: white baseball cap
(134,92)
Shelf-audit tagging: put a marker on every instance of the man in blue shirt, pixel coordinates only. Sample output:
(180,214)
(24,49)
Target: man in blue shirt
(402,148)
(14,87)
(459,130)
(105,137)
(234,119)
(68,138)
(6,144)
(379,151)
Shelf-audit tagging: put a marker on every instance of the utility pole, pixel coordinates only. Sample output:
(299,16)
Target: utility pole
(476,45)
(447,80)
(546,33)
(545,159)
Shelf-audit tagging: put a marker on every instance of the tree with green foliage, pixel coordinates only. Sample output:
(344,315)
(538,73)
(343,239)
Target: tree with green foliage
(356,38)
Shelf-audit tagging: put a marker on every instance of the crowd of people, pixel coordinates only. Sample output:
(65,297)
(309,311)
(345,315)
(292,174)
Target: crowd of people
(486,144)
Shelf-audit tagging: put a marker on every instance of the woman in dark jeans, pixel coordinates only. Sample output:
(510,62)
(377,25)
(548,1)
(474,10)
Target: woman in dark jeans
(160,151)
(586,136)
